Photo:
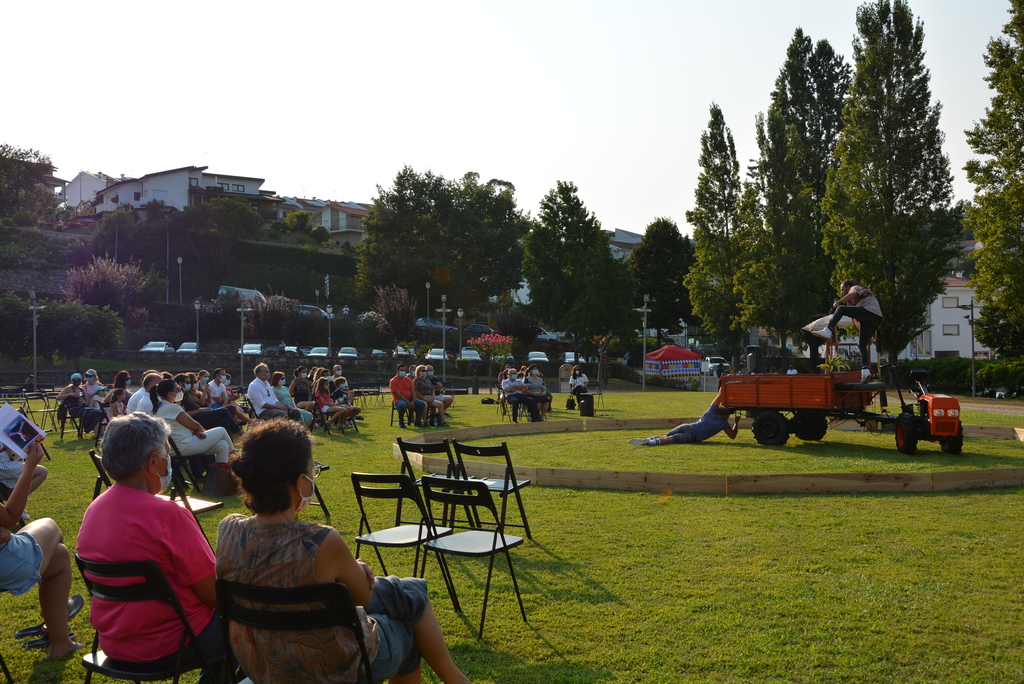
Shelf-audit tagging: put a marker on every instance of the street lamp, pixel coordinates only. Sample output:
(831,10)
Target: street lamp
(179,281)
(330,310)
(970,318)
(428,299)
(35,319)
(317,299)
(460,312)
(197,305)
(167,265)
(241,346)
(643,367)
(444,330)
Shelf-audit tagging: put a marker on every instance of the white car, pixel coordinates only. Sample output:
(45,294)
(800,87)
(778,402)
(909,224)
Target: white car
(470,354)
(544,335)
(317,351)
(251,349)
(348,353)
(435,354)
(188,348)
(569,357)
(536,357)
(157,347)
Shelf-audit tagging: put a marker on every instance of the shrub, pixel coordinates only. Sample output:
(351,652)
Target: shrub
(23,218)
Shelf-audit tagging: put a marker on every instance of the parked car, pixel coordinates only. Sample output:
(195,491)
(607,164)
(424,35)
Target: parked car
(379,354)
(546,336)
(190,348)
(366,314)
(470,354)
(305,350)
(348,353)
(433,324)
(402,353)
(310,310)
(477,329)
(317,351)
(157,347)
(536,357)
(710,364)
(255,348)
(281,351)
(435,355)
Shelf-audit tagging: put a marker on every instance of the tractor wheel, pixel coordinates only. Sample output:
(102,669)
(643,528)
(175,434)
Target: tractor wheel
(771,429)
(906,436)
(809,425)
(953,445)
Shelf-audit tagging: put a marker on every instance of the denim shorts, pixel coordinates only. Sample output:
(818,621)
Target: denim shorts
(397,604)
(20,559)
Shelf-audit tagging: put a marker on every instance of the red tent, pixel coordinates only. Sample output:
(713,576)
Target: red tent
(672,361)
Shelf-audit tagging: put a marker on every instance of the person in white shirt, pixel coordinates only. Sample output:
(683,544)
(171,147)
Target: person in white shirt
(140,401)
(263,400)
(792,371)
(515,395)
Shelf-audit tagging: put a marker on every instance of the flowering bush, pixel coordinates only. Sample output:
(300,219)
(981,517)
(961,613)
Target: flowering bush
(492,345)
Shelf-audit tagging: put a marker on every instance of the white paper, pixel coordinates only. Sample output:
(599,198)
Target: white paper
(16,431)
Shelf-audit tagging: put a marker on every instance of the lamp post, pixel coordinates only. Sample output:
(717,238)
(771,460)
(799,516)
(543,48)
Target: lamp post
(643,367)
(167,266)
(428,299)
(35,320)
(317,299)
(179,281)
(241,346)
(444,330)
(970,319)
(330,310)
(197,305)
(460,312)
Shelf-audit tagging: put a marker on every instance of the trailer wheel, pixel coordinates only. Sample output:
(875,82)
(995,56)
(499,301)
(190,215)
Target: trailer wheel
(953,445)
(906,437)
(771,429)
(809,425)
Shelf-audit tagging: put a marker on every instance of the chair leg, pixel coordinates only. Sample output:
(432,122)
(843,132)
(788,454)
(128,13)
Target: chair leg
(323,505)
(522,512)
(515,584)
(446,575)
(487,592)
(7,673)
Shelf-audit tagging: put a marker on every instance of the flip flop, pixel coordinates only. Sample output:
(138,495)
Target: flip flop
(41,642)
(75,605)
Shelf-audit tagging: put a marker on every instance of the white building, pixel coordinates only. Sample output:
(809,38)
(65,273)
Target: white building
(948,331)
(342,219)
(81,190)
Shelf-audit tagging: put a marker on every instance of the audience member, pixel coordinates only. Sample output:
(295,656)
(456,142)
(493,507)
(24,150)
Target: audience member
(299,390)
(77,404)
(325,404)
(146,635)
(578,381)
(515,395)
(537,390)
(424,389)
(439,389)
(281,392)
(204,415)
(403,395)
(263,400)
(140,401)
(274,549)
(343,397)
(189,436)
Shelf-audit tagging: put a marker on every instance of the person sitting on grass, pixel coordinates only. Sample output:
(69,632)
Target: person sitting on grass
(272,548)
(36,554)
(714,420)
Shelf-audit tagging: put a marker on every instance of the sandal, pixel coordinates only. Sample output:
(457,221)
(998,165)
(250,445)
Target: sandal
(75,605)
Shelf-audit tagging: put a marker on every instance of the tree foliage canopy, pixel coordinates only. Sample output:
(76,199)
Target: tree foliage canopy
(660,263)
(997,213)
(576,284)
(461,236)
(22,180)
(891,225)
(124,287)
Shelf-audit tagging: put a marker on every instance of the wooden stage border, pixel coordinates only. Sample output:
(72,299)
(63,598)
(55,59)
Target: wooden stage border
(781,483)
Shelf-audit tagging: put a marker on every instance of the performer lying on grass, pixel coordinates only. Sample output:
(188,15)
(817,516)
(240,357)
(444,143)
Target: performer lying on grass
(714,420)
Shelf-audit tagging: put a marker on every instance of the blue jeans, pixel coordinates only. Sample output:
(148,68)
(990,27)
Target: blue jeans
(402,406)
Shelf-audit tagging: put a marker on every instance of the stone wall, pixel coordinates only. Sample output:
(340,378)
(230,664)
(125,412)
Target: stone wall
(47,284)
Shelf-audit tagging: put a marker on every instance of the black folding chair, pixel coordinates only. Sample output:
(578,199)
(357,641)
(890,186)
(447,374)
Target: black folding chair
(451,470)
(153,587)
(7,673)
(478,541)
(64,415)
(238,603)
(102,479)
(506,485)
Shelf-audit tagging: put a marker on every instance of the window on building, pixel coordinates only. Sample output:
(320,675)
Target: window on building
(193,182)
(950,329)
(950,302)
(238,188)
(138,196)
(99,197)
(947,354)
(222,186)
(115,199)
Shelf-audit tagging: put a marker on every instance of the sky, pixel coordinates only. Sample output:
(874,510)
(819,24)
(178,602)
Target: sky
(330,99)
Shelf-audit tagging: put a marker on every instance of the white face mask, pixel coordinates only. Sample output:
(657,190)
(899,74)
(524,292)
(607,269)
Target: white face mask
(304,501)
(165,480)
(179,396)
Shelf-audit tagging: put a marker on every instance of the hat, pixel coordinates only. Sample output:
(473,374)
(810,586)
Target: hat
(91,372)
(76,376)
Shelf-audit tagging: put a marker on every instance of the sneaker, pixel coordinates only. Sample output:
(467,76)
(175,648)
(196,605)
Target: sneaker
(865,373)
(638,441)
(401,425)
(825,332)
(653,441)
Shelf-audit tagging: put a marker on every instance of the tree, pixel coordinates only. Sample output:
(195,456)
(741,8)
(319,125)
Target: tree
(514,322)
(66,330)
(396,313)
(214,227)
(711,280)
(16,331)
(298,222)
(120,222)
(809,95)
(461,236)
(124,287)
(891,225)
(321,235)
(23,180)
(576,284)
(997,214)
(778,278)
(660,263)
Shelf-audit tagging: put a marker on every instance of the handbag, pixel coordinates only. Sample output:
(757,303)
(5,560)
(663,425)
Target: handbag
(570,404)
(220,481)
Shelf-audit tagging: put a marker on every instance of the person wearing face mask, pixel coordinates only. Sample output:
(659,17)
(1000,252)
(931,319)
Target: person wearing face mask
(123,380)
(515,395)
(439,389)
(273,548)
(281,392)
(204,415)
(537,390)
(92,385)
(263,400)
(299,390)
(140,401)
(342,396)
(77,404)
(424,389)
(403,395)
(219,393)
(136,456)
(189,436)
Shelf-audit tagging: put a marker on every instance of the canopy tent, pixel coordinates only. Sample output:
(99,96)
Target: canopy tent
(672,361)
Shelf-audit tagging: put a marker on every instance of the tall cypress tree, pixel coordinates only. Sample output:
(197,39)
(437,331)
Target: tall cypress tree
(997,215)
(891,226)
(711,281)
(659,263)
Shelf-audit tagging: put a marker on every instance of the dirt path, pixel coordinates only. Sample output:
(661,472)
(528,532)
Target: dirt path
(1005,409)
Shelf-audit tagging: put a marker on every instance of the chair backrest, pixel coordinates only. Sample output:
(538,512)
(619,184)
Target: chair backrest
(153,587)
(337,609)
(481,451)
(102,479)
(397,486)
(450,492)
(442,447)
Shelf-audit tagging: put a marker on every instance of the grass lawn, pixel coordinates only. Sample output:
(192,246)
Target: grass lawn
(664,587)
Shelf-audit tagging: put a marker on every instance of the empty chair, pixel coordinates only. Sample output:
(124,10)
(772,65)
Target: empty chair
(505,485)
(399,488)
(478,541)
